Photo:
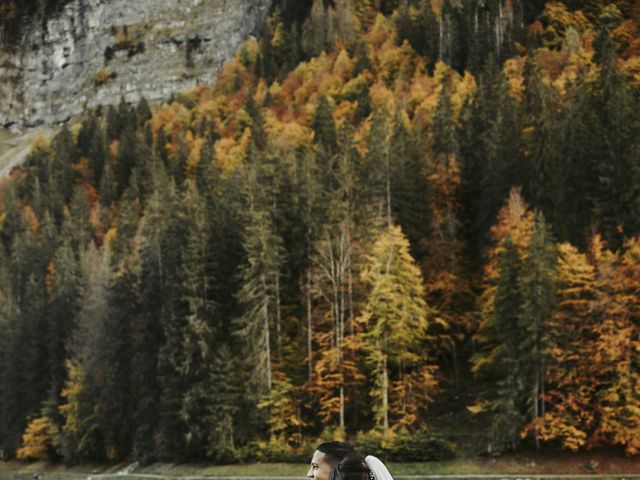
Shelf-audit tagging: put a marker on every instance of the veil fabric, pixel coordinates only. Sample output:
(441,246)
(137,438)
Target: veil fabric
(378,469)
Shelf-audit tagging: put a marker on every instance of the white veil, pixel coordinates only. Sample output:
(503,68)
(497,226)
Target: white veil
(378,469)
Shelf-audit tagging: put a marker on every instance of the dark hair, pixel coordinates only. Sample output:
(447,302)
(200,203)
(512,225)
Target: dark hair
(335,451)
(351,467)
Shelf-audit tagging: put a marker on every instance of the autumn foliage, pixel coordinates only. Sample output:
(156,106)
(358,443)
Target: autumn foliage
(345,230)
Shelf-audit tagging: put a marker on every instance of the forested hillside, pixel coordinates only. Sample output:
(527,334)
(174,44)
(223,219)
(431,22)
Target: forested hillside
(376,204)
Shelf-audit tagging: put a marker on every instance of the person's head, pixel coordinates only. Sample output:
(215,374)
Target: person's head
(351,467)
(326,456)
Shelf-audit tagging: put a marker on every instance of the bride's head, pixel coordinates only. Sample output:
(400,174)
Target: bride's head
(351,467)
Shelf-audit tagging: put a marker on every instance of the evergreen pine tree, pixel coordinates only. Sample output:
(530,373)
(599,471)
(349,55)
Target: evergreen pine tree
(537,284)
(152,375)
(64,304)
(498,364)
(377,171)
(617,196)
(114,392)
(490,153)
(201,326)
(543,187)
(82,433)
(577,171)
(224,403)
(408,182)
(91,145)
(325,128)
(257,297)
(504,391)
(10,361)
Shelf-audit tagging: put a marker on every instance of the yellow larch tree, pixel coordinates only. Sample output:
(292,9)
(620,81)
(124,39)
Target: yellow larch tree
(395,339)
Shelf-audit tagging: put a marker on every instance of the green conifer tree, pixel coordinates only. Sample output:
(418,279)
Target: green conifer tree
(64,304)
(497,363)
(324,127)
(617,193)
(538,287)
(543,186)
(156,338)
(258,297)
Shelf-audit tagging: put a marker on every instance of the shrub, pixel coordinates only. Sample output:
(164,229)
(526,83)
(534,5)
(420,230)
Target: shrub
(371,443)
(102,77)
(405,446)
(332,433)
(123,37)
(276,450)
(419,446)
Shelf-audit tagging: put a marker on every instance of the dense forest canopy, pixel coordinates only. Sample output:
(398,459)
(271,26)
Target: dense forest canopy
(377,206)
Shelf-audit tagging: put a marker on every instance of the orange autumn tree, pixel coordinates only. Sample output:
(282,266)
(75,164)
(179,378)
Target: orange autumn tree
(514,219)
(616,355)
(447,286)
(333,285)
(37,441)
(570,389)
(335,369)
(593,385)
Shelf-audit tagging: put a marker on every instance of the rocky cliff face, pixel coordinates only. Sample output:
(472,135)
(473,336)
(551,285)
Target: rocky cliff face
(96,51)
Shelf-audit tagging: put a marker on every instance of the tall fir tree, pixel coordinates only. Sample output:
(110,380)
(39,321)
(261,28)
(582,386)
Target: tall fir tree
(537,284)
(201,326)
(65,294)
(159,238)
(502,394)
(259,292)
(497,363)
(616,196)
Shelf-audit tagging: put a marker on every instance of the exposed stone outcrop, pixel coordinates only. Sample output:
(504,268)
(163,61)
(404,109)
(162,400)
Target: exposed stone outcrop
(96,51)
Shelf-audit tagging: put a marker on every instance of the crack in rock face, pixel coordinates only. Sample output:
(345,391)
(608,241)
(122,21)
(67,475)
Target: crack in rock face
(94,52)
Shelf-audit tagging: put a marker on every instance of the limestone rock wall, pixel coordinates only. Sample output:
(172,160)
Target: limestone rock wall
(96,51)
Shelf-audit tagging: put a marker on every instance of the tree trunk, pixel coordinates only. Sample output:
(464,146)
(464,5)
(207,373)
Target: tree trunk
(278,320)
(350,293)
(542,405)
(267,341)
(385,397)
(309,328)
(536,413)
(454,359)
(388,168)
(342,407)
